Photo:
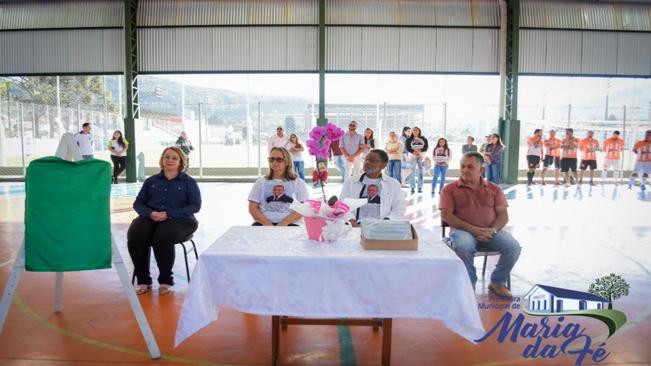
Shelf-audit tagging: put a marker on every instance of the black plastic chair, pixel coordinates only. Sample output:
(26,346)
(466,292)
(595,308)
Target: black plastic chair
(185,256)
(482,250)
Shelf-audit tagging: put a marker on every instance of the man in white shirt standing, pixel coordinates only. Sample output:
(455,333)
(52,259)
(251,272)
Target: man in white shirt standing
(352,145)
(277,140)
(84,140)
(384,194)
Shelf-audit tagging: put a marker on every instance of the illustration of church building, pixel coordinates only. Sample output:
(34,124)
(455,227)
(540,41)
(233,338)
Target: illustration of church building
(548,299)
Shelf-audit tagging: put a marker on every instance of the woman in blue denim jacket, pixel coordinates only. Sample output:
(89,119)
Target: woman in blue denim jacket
(166,205)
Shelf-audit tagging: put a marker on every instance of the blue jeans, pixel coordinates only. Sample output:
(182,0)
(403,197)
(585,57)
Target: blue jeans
(494,172)
(394,169)
(299,168)
(439,170)
(465,245)
(339,164)
(417,164)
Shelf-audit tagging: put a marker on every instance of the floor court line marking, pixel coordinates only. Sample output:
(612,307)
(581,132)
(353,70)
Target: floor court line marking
(103,344)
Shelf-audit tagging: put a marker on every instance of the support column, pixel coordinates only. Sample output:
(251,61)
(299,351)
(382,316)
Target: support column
(321,121)
(131,83)
(509,125)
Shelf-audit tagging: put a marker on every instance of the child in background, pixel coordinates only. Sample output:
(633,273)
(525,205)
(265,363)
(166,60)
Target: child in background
(320,175)
(427,166)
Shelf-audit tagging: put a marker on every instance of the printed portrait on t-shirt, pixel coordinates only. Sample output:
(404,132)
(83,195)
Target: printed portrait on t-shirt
(372,192)
(373,196)
(279,195)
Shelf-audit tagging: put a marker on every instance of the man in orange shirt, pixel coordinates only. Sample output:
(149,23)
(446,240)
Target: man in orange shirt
(476,210)
(534,154)
(568,161)
(588,147)
(613,146)
(553,155)
(642,149)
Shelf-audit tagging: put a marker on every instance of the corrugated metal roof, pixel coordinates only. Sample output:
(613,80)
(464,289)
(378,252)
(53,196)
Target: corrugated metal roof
(62,51)
(343,48)
(599,53)
(560,14)
(533,49)
(634,54)
(226,12)
(635,17)
(453,13)
(467,13)
(454,50)
(584,52)
(563,54)
(417,49)
(203,49)
(371,49)
(61,14)
(379,48)
(485,50)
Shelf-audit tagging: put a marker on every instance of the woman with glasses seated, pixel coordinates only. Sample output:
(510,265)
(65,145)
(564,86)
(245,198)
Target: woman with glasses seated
(271,195)
(166,205)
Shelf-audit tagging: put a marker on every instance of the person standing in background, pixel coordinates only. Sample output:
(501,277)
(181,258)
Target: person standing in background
(337,157)
(569,145)
(352,147)
(295,148)
(277,140)
(369,141)
(588,147)
(185,145)
(394,150)
(417,147)
(118,146)
(534,154)
(84,140)
(494,152)
(613,146)
(469,146)
(441,154)
(642,149)
(405,164)
(552,156)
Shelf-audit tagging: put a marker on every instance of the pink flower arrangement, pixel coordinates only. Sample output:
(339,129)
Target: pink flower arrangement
(320,139)
(332,212)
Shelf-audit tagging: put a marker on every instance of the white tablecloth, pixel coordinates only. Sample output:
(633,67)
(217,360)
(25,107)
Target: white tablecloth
(278,271)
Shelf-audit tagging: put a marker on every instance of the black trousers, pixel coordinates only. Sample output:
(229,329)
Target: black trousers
(119,164)
(144,233)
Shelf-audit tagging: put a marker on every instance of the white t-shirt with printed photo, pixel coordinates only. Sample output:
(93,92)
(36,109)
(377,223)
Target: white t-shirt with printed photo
(371,191)
(276,195)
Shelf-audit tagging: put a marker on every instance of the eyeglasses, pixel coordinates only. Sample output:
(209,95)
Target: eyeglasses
(277,160)
(352,125)
(279,129)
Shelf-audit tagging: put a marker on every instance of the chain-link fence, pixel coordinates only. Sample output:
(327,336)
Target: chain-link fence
(227,139)
(36,111)
(230,136)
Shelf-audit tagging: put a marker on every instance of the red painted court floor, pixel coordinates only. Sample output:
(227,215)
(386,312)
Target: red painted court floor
(570,236)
